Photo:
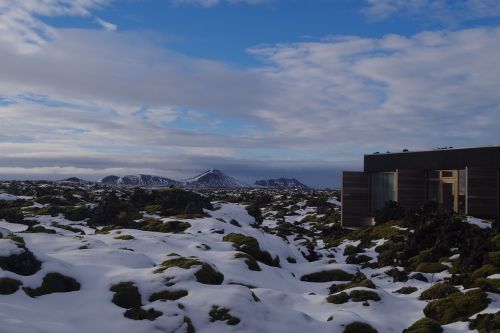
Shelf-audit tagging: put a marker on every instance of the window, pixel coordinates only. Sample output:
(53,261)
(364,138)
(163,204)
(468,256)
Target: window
(382,189)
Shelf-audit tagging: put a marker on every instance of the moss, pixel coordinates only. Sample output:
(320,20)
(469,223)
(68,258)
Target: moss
(351,249)
(125,237)
(486,323)
(339,298)
(208,275)
(68,228)
(385,231)
(126,295)
(430,267)
(494,258)
(458,306)
(39,229)
(151,224)
(9,286)
(364,295)
(485,271)
(151,209)
(181,262)
(141,314)
(359,327)
(54,283)
(235,223)
(358,259)
(406,290)
(439,290)
(360,280)
(424,325)
(489,285)
(250,246)
(249,260)
(397,275)
(23,264)
(419,277)
(327,276)
(189,325)
(291,260)
(218,313)
(167,295)
(255,298)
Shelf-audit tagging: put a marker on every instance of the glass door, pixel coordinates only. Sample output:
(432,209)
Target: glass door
(449,197)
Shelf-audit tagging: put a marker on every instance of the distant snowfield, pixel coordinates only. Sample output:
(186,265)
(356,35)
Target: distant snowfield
(286,304)
(7,197)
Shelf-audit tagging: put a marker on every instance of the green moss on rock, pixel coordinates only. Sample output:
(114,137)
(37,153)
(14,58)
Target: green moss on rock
(439,290)
(126,295)
(218,313)
(485,271)
(359,327)
(249,260)
(486,323)
(141,314)
(424,325)
(9,286)
(364,295)
(430,267)
(23,264)
(167,295)
(189,325)
(406,290)
(208,275)
(54,283)
(250,246)
(339,298)
(457,306)
(327,276)
(125,237)
(181,262)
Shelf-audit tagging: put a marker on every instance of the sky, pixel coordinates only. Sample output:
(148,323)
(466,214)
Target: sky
(256,88)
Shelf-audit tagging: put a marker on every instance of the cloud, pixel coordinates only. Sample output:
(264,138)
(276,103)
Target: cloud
(446,11)
(97,102)
(211,3)
(21,27)
(106,25)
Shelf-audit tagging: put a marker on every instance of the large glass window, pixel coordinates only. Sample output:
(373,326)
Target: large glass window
(382,189)
(448,188)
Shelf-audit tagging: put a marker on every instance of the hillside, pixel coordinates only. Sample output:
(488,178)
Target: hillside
(281,183)
(84,258)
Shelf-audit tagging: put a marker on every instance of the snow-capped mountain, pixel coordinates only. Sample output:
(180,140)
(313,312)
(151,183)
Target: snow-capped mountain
(281,183)
(139,180)
(214,179)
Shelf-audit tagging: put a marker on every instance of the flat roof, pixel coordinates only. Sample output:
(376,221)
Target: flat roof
(437,159)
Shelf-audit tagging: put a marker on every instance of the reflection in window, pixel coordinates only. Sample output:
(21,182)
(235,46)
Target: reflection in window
(382,189)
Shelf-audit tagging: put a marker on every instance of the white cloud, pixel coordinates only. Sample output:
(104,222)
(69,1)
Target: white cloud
(21,27)
(106,25)
(448,11)
(74,102)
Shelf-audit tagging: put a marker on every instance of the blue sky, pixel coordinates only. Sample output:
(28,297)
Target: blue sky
(257,88)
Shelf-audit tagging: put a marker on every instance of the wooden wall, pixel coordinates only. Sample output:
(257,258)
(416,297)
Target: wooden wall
(355,199)
(482,192)
(411,188)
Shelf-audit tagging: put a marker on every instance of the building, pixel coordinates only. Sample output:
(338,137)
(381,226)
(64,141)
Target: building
(466,180)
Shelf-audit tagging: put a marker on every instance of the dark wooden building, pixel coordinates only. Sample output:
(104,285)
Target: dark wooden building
(466,180)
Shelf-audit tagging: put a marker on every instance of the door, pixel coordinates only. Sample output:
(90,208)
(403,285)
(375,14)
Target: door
(355,199)
(449,197)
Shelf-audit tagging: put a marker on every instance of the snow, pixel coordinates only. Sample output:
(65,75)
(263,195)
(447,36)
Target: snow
(334,201)
(7,197)
(286,305)
(480,223)
(8,248)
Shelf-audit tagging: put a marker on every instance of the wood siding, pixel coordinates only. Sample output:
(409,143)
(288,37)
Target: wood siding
(411,188)
(482,192)
(355,199)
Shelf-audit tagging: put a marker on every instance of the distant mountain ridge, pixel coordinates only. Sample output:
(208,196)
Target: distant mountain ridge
(281,183)
(139,180)
(214,179)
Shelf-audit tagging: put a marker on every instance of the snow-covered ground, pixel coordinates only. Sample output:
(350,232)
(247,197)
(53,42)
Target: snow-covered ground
(271,300)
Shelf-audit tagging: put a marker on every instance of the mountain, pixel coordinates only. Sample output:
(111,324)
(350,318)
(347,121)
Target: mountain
(139,180)
(74,180)
(281,183)
(214,179)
